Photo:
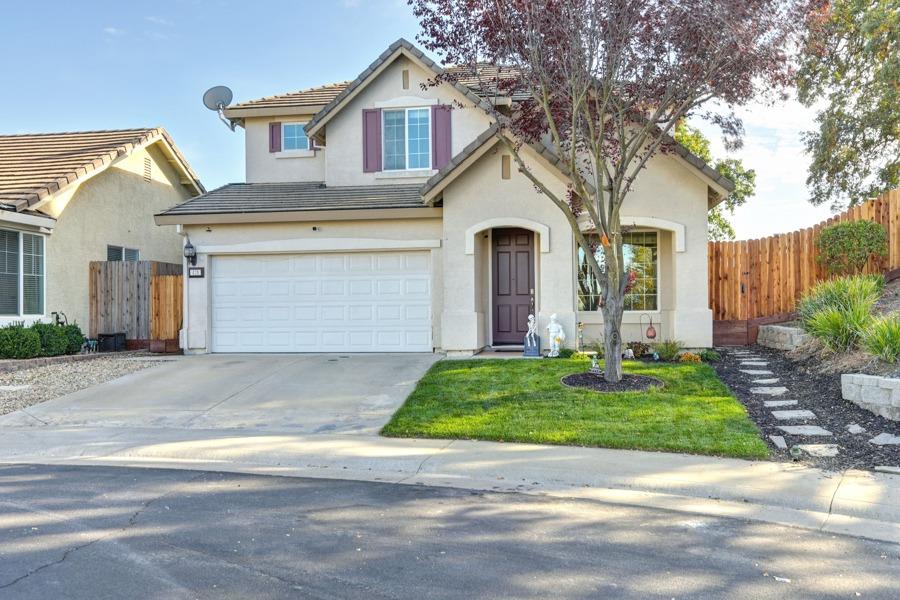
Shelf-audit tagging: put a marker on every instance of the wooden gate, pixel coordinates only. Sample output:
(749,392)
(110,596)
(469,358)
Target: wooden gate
(754,282)
(142,299)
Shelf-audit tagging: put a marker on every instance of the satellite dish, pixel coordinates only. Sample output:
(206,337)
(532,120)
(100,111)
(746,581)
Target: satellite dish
(217,98)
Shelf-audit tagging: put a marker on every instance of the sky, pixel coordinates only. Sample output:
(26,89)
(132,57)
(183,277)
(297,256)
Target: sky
(96,64)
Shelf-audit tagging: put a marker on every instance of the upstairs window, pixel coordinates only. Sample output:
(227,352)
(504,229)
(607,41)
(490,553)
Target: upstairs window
(293,137)
(406,139)
(120,254)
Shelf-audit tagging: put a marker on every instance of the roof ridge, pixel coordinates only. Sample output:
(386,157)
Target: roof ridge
(89,131)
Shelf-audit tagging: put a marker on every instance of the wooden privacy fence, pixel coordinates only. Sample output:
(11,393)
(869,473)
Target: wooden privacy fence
(761,280)
(142,299)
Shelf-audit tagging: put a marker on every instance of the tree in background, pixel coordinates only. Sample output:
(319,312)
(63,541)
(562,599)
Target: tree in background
(744,180)
(602,84)
(851,63)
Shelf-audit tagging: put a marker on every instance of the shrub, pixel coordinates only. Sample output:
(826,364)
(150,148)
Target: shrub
(844,248)
(54,340)
(710,356)
(639,348)
(75,338)
(566,352)
(840,294)
(882,338)
(689,357)
(668,350)
(18,342)
(580,355)
(840,328)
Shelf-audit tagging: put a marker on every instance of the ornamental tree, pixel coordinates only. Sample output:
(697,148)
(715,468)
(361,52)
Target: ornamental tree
(602,83)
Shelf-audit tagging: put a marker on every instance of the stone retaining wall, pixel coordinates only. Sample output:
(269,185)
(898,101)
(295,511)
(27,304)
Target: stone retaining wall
(781,337)
(881,395)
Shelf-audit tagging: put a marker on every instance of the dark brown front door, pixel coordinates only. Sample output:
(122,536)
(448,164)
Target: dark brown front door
(513,283)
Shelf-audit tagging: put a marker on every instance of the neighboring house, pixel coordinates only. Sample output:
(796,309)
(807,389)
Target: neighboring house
(67,199)
(375,218)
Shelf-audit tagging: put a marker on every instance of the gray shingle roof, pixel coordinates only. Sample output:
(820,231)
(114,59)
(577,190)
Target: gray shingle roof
(247,198)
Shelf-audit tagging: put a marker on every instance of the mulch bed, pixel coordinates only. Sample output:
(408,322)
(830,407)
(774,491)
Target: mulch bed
(816,392)
(629,383)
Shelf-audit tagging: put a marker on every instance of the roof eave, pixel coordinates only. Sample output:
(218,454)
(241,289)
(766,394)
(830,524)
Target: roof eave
(348,214)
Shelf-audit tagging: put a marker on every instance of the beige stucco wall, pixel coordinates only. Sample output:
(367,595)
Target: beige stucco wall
(264,166)
(272,238)
(667,194)
(115,207)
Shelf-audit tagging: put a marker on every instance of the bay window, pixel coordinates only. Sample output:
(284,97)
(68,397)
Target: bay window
(406,139)
(641,257)
(22,274)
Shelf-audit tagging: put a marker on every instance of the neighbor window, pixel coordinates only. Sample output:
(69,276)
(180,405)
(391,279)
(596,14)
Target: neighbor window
(21,273)
(293,137)
(641,256)
(407,139)
(119,254)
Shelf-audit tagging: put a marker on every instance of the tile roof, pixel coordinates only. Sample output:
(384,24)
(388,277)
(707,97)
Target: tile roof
(247,198)
(314,96)
(33,166)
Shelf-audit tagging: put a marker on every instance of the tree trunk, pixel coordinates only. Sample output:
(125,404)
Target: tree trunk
(612,335)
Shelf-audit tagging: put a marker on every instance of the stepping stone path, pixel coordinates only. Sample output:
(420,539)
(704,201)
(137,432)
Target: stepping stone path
(804,430)
(885,439)
(795,416)
(779,442)
(775,403)
(789,415)
(820,450)
(769,391)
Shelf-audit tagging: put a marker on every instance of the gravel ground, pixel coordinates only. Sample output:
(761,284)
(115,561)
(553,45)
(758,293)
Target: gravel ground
(53,381)
(820,393)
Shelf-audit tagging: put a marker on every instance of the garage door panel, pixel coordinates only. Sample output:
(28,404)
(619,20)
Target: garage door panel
(361,302)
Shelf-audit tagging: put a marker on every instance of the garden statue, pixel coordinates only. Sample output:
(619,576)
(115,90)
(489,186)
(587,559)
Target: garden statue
(532,340)
(557,336)
(595,366)
(629,354)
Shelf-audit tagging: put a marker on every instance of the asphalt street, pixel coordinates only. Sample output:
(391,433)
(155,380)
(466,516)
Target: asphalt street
(107,532)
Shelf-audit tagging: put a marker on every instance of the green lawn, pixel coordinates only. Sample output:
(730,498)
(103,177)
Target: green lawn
(524,401)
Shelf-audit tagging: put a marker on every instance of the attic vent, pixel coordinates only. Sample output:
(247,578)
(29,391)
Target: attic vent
(405,79)
(148,169)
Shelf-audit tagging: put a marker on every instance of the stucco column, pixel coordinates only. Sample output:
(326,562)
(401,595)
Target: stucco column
(194,335)
(692,318)
(462,320)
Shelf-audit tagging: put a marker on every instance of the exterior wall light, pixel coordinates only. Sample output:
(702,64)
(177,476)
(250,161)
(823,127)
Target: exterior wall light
(190,253)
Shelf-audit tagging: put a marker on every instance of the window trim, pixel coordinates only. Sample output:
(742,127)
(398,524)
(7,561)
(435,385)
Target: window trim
(21,279)
(405,111)
(283,137)
(654,311)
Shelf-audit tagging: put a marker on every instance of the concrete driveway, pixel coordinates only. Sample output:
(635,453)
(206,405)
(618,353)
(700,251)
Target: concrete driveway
(303,393)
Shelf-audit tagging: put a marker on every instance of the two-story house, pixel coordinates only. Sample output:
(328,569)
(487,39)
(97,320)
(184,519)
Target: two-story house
(381,215)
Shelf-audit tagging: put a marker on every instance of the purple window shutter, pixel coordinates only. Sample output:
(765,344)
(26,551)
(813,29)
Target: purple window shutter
(371,140)
(440,136)
(274,137)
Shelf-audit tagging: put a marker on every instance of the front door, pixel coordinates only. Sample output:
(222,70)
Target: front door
(513,284)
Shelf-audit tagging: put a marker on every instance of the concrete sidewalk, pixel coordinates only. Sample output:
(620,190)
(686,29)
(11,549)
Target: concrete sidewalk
(858,503)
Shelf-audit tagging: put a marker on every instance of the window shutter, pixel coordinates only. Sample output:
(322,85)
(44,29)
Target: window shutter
(275,137)
(371,140)
(440,136)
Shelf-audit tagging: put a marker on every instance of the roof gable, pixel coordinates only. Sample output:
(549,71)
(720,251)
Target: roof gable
(399,48)
(34,167)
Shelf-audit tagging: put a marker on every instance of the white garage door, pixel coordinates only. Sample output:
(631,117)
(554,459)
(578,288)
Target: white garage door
(354,302)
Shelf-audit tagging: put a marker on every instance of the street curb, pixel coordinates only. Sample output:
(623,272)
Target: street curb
(834,523)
